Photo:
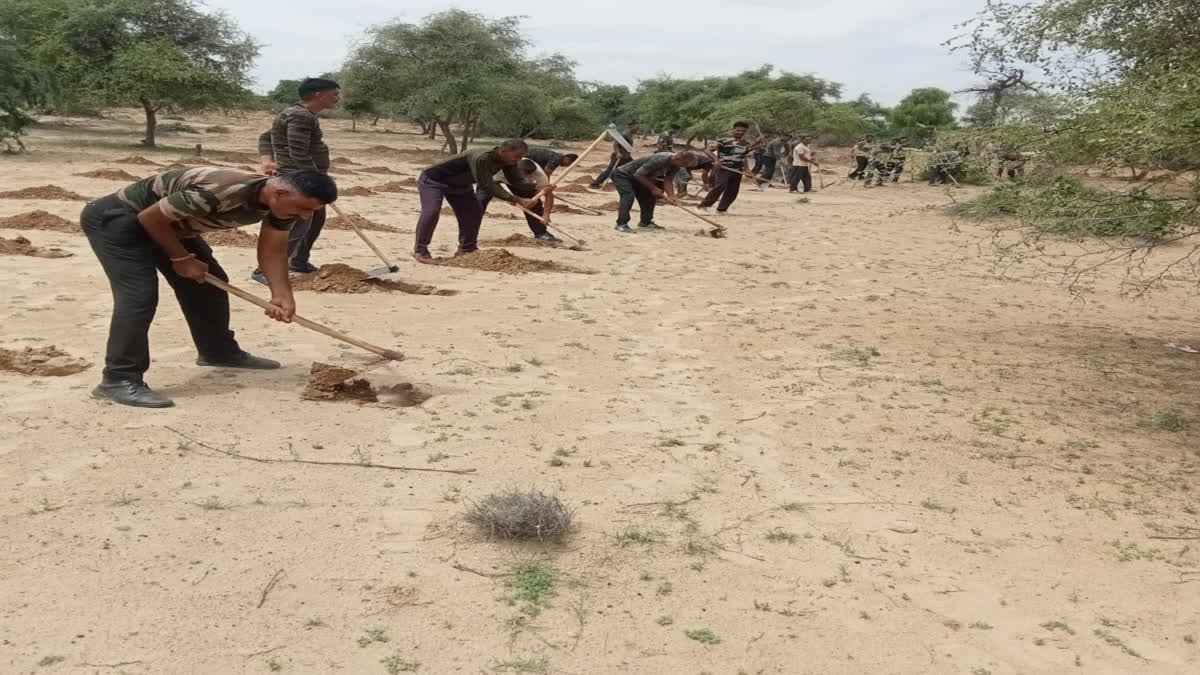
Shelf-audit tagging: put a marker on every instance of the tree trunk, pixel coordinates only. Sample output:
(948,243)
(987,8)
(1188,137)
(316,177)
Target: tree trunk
(353,124)
(151,122)
(375,122)
(445,126)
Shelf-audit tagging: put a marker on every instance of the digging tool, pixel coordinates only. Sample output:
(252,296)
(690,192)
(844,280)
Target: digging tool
(716,233)
(619,140)
(378,271)
(578,206)
(390,354)
(747,175)
(579,241)
(579,160)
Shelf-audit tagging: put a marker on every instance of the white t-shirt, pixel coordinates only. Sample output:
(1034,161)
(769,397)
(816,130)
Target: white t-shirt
(799,153)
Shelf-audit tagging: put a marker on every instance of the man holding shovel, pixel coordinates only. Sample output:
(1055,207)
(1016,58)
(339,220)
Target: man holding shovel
(294,143)
(636,181)
(802,163)
(451,180)
(152,227)
(731,154)
(622,153)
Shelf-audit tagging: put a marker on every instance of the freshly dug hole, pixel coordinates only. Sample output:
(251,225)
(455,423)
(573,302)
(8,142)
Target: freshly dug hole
(517,514)
(327,382)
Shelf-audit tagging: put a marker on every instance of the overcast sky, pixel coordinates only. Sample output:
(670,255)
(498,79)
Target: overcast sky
(882,47)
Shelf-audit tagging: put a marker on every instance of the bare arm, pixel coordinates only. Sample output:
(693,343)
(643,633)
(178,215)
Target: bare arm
(158,226)
(273,261)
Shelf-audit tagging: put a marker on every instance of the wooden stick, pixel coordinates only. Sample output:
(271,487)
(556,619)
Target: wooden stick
(368,242)
(747,175)
(311,325)
(543,221)
(578,206)
(579,159)
(697,215)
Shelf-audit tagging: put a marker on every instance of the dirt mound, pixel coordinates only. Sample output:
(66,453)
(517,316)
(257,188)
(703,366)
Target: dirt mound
(582,180)
(582,189)
(48,361)
(109,174)
(39,220)
(560,207)
(518,240)
(501,213)
(192,160)
(341,172)
(382,169)
(175,165)
(336,223)
(135,159)
(331,383)
(234,237)
(500,260)
(342,160)
(356,191)
(43,192)
(339,278)
(237,157)
(22,246)
(612,206)
(409,154)
(405,185)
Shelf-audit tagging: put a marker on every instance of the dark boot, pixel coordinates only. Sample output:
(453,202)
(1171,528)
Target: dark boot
(243,360)
(131,392)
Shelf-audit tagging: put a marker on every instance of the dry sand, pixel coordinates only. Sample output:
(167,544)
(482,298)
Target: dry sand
(836,442)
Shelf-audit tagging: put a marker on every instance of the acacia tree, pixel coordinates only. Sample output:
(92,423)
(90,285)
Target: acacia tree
(158,54)
(923,112)
(20,88)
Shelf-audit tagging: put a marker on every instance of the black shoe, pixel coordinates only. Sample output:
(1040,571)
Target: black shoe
(624,228)
(257,275)
(302,268)
(546,236)
(651,226)
(131,392)
(243,360)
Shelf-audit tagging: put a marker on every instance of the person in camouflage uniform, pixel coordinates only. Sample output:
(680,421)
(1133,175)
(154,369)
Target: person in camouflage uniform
(666,140)
(154,226)
(895,163)
(942,164)
(877,168)
(1012,163)
(861,154)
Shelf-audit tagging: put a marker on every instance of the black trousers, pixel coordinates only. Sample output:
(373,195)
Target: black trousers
(800,174)
(536,226)
(726,186)
(766,169)
(132,263)
(859,168)
(613,163)
(628,191)
(302,236)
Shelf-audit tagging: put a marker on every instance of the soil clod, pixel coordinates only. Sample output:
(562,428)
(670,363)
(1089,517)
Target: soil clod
(42,361)
(339,278)
(234,237)
(333,383)
(22,246)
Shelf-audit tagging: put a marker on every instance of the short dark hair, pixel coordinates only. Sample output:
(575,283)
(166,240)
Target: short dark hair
(741,125)
(514,144)
(311,86)
(313,184)
(570,158)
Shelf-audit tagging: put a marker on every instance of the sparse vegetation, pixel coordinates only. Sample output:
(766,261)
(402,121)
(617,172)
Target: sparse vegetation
(521,514)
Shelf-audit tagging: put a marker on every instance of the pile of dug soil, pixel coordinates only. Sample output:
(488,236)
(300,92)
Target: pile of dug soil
(39,220)
(336,223)
(572,188)
(43,192)
(192,160)
(45,361)
(331,383)
(559,207)
(356,191)
(135,159)
(109,174)
(233,237)
(519,240)
(500,260)
(381,169)
(582,180)
(342,160)
(502,212)
(22,246)
(405,185)
(339,278)
(613,206)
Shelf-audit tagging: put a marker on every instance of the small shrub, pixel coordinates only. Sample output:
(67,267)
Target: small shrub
(176,127)
(518,514)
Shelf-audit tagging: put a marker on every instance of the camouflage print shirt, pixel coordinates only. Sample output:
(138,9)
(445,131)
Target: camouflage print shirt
(649,166)
(204,199)
(899,154)
(666,142)
(732,152)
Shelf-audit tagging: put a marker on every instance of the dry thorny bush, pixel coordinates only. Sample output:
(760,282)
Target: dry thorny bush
(521,514)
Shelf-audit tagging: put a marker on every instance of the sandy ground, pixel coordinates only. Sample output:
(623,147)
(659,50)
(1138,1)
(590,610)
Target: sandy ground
(835,442)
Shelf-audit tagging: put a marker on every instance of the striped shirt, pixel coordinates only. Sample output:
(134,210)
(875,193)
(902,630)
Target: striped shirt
(295,141)
(204,199)
(732,152)
(475,166)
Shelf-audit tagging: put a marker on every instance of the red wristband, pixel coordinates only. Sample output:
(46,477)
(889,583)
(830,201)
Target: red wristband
(186,257)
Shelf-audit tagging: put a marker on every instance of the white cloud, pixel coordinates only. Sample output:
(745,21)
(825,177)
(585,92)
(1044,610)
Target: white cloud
(884,47)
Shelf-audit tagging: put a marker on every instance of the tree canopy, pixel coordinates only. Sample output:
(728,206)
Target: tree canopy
(153,53)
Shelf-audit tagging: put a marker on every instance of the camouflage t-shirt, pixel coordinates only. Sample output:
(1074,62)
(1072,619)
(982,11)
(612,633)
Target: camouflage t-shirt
(732,152)
(204,199)
(650,166)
